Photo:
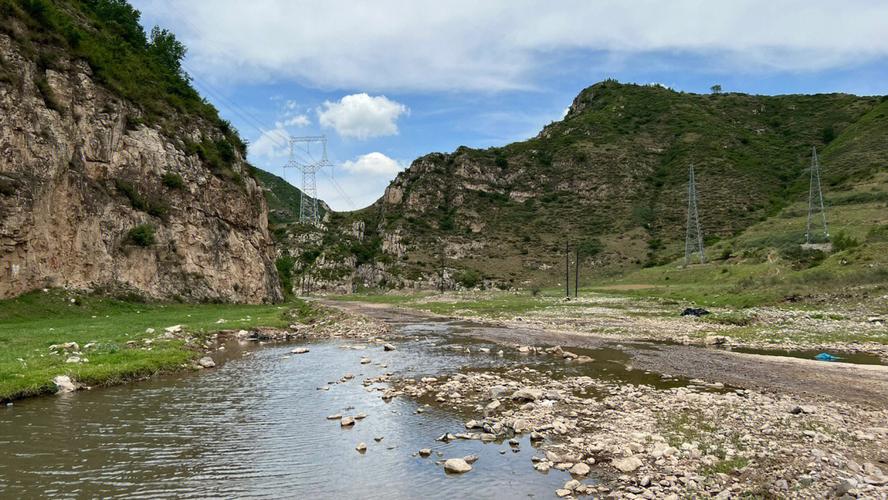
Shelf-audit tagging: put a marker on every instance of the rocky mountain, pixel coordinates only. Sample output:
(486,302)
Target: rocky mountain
(114,173)
(611,178)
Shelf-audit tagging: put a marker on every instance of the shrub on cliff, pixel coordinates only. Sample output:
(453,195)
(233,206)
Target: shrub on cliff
(141,235)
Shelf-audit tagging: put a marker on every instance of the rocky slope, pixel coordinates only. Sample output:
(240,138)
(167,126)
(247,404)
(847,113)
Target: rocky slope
(102,187)
(611,177)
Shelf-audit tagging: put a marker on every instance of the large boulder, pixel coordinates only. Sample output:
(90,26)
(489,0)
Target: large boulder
(456,466)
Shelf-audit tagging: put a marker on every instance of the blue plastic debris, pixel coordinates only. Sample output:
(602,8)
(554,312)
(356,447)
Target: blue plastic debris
(823,356)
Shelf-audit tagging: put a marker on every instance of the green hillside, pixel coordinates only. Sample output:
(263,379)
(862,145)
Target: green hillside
(611,177)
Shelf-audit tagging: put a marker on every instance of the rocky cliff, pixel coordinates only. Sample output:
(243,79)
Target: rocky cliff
(94,195)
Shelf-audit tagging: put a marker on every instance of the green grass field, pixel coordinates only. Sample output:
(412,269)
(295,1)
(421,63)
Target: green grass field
(31,323)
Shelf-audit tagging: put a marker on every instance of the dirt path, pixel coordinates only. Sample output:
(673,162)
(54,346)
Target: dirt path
(807,379)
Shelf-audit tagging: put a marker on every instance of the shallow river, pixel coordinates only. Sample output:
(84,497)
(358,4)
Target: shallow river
(256,426)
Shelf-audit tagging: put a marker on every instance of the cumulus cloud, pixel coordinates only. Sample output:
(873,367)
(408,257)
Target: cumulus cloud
(375,163)
(294,121)
(503,44)
(362,116)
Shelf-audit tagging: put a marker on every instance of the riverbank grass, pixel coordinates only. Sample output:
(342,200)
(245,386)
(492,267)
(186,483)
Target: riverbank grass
(116,331)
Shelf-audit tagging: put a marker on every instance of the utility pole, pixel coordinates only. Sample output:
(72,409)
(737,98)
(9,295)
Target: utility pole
(693,236)
(308,204)
(577,275)
(567,269)
(815,199)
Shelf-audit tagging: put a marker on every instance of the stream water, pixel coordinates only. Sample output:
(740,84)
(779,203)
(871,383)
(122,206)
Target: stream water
(256,426)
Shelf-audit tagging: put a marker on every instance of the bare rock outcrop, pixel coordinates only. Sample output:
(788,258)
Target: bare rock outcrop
(75,171)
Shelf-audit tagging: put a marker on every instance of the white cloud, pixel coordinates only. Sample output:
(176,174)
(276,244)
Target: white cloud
(270,147)
(362,116)
(503,44)
(375,163)
(294,121)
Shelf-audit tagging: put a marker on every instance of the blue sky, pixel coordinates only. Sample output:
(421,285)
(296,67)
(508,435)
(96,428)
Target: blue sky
(389,81)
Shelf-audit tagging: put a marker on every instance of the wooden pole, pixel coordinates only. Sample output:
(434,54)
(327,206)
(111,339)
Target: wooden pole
(577,275)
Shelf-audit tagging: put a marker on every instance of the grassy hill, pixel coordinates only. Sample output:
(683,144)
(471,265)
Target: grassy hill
(611,177)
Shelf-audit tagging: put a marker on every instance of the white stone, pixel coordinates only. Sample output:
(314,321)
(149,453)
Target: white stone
(456,466)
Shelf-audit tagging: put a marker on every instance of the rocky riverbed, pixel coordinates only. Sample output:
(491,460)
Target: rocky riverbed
(847,330)
(699,440)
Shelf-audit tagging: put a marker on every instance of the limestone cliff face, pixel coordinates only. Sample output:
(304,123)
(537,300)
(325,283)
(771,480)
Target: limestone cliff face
(72,162)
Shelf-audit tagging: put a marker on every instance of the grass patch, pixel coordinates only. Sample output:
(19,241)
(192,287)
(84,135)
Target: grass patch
(29,324)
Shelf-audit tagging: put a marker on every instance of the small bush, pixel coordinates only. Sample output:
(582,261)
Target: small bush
(129,190)
(468,278)
(141,235)
(842,241)
(802,258)
(173,180)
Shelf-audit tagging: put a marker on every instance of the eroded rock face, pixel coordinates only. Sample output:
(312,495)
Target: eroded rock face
(64,219)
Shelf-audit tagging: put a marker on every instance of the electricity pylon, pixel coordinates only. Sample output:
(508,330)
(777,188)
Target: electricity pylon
(694,236)
(815,199)
(308,204)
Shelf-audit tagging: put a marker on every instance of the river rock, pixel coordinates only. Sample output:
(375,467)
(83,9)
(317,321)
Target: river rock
(470,459)
(628,464)
(365,361)
(493,405)
(527,394)
(520,426)
(388,347)
(561,492)
(361,447)
(206,362)
(64,384)
(425,452)
(579,469)
(456,466)
(336,416)
(347,422)
(300,350)
(360,416)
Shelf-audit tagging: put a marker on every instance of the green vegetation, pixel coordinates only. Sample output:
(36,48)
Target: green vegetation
(150,204)
(173,180)
(144,70)
(612,176)
(115,331)
(285,265)
(468,278)
(141,235)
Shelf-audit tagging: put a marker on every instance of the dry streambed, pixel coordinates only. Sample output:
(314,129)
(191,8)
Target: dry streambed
(636,440)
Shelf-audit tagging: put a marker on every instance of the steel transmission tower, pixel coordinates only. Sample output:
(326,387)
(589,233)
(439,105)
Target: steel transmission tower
(694,236)
(815,199)
(308,205)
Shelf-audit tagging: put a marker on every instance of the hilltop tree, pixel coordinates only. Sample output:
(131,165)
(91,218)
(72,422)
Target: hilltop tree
(716,89)
(169,51)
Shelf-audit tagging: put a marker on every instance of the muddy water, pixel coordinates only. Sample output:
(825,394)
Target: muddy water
(257,427)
